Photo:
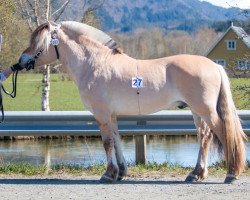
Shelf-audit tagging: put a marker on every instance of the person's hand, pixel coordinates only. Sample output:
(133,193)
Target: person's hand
(16,67)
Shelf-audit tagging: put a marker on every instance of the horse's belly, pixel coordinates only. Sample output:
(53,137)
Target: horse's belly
(145,102)
(153,102)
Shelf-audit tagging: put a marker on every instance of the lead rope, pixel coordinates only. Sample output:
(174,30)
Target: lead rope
(11,94)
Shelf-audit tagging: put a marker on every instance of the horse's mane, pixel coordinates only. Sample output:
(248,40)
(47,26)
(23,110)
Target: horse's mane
(38,38)
(93,33)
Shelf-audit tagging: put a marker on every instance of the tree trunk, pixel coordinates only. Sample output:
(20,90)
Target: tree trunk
(46,88)
(46,74)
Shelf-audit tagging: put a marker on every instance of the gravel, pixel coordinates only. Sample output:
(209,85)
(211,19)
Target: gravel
(88,187)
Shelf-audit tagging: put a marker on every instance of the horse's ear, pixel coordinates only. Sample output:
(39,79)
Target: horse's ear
(48,26)
(51,24)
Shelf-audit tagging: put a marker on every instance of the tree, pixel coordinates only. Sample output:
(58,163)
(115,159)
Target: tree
(36,12)
(10,25)
(155,42)
(89,15)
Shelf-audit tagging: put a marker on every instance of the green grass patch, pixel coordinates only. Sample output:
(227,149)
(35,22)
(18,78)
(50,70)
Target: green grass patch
(241,92)
(151,169)
(64,94)
(158,169)
(22,168)
(96,169)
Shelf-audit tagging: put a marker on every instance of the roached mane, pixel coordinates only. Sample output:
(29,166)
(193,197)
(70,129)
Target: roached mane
(93,33)
(39,40)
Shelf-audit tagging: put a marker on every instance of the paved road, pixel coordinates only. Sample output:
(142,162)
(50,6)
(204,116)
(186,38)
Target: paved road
(88,187)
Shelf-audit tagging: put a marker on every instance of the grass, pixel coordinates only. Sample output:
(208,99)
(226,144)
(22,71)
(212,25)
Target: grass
(151,169)
(241,92)
(64,94)
(22,168)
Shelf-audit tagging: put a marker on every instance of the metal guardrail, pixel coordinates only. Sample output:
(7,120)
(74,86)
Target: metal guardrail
(82,123)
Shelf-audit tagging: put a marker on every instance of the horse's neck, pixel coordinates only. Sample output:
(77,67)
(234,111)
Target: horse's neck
(69,57)
(80,57)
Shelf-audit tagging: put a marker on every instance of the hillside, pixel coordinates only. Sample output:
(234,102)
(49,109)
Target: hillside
(179,14)
(127,15)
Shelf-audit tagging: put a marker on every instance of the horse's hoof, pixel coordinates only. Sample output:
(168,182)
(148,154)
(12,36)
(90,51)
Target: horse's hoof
(191,178)
(122,172)
(106,179)
(120,178)
(230,179)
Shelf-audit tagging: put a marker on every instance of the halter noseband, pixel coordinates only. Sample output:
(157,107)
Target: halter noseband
(54,41)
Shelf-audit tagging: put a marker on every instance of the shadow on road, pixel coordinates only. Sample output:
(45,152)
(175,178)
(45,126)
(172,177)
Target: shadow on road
(93,182)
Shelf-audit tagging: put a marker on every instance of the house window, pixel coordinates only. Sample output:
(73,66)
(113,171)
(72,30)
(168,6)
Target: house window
(243,64)
(231,45)
(221,62)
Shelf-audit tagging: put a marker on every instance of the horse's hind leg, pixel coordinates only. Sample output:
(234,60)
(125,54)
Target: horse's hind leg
(205,137)
(216,125)
(118,151)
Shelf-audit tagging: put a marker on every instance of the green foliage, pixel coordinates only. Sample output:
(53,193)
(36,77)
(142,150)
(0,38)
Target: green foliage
(6,10)
(15,33)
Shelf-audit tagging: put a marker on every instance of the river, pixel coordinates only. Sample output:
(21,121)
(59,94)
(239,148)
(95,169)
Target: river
(85,152)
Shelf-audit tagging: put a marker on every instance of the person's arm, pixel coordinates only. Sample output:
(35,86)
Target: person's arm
(7,72)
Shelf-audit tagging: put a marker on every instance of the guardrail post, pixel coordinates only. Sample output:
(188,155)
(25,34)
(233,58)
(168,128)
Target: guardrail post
(140,149)
(47,160)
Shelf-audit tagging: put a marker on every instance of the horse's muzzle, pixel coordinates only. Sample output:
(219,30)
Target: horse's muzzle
(27,62)
(30,65)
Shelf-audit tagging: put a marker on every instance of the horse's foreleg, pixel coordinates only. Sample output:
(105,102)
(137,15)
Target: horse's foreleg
(118,151)
(111,173)
(205,137)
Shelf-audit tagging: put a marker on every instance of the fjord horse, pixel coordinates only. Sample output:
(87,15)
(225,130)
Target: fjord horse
(111,83)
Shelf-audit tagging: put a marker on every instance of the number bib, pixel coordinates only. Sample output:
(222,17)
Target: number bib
(137,82)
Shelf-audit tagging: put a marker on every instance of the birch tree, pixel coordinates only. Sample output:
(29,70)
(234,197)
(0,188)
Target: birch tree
(36,12)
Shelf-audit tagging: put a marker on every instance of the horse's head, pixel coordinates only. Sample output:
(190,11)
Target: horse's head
(43,46)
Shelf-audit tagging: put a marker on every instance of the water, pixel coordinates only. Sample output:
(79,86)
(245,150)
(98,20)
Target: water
(85,152)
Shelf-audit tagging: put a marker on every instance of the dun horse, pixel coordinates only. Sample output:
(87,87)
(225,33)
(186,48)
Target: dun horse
(111,83)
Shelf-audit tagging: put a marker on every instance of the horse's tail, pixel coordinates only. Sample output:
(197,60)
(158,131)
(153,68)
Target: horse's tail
(232,130)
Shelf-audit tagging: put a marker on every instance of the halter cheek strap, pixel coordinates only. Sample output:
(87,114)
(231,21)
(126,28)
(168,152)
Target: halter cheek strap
(55,41)
(57,53)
